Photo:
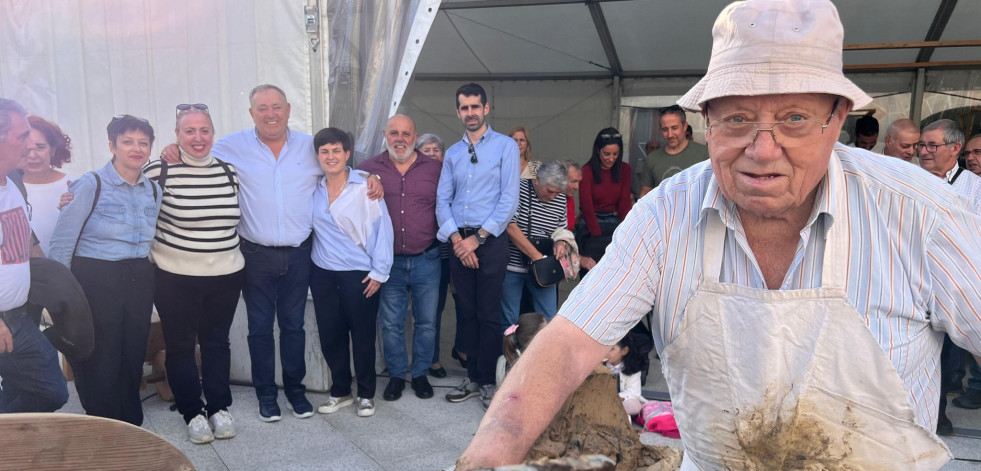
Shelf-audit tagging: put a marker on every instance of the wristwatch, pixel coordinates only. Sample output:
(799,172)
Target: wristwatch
(480,239)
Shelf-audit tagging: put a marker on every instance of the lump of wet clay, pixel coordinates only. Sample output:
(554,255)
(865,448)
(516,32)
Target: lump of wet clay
(592,421)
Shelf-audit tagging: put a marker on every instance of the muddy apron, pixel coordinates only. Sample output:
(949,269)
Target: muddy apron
(767,380)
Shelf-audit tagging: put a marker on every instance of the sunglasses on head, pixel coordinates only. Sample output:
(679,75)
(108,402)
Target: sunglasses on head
(196,106)
(669,108)
(609,137)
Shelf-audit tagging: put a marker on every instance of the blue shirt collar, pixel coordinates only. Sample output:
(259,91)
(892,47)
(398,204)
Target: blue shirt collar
(289,135)
(466,137)
(353,176)
(116,179)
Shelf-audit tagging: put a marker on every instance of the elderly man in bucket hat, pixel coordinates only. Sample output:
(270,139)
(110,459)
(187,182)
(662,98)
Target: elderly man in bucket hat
(799,288)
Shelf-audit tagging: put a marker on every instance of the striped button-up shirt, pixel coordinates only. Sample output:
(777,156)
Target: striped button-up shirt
(967,185)
(914,267)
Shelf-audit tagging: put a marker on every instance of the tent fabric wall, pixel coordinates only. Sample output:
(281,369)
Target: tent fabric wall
(81,62)
(562,117)
(374,49)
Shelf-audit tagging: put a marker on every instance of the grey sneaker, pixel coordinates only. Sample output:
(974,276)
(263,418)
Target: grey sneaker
(223,424)
(487,394)
(366,407)
(333,404)
(464,391)
(198,430)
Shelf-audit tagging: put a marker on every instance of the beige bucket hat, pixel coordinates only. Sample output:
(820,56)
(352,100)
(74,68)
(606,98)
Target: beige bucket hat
(767,47)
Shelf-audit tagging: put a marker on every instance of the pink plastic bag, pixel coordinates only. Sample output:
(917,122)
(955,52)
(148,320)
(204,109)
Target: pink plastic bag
(658,416)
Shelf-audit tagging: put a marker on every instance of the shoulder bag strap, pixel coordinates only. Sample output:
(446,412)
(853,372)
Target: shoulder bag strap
(17,176)
(162,178)
(95,200)
(228,173)
(954,178)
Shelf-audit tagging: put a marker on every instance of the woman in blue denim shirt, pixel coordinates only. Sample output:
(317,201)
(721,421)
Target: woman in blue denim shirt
(104,236)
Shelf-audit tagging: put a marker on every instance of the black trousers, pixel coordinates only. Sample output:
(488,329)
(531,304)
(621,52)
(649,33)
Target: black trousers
(198,309)
(953,368)
(478,307)
(120,295)
(346,321)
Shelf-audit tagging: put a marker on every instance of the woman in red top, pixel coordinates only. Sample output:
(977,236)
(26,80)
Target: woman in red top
(604,194)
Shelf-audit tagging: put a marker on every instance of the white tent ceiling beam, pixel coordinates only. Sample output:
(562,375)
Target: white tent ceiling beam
(426,12)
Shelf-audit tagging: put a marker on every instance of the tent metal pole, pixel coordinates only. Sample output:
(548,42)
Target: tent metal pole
(615,106)
(916,100)
(314,21)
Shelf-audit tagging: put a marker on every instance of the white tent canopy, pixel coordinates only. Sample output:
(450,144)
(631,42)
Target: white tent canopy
(564,68)
(541,39)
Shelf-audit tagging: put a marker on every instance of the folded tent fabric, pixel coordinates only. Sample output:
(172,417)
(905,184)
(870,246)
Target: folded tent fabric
(53,287)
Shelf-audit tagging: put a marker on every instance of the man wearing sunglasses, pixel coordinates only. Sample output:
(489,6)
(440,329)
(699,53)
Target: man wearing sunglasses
(475,200)
(679,151)
(799,287)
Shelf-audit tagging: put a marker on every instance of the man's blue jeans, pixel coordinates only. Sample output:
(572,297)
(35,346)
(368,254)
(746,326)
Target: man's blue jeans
(32,378)
(276,284)
(545,299)
(417,275)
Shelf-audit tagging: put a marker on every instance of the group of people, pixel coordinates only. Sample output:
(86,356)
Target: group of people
(267,212)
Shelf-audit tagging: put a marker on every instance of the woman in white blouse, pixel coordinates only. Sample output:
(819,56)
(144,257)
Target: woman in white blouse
(44,182)
(352,257)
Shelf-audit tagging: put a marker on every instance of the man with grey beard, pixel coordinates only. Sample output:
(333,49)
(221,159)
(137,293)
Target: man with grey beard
(409,179)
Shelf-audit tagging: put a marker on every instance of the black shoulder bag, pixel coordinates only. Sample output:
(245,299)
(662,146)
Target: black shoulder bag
(548,270)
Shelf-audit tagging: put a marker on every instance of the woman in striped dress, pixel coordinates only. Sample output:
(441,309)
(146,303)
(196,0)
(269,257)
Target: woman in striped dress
(199,273)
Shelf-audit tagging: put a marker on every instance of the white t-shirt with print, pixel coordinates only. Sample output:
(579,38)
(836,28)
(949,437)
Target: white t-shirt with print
(15,248)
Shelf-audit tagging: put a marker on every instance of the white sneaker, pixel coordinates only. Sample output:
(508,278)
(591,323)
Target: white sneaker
(198,430)
(333,404)
(366,407)
(223,424)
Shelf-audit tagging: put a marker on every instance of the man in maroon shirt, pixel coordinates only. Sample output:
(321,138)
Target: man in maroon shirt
(410,179)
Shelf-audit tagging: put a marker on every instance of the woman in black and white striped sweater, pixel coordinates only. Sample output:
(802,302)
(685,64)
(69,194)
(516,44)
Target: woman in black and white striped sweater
(199,273)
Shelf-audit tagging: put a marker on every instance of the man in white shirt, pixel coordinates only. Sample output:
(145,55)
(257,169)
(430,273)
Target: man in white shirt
(901,139)
(940,143)
(32,377)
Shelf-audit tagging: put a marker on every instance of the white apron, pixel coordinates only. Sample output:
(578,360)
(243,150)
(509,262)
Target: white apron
(767,380)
